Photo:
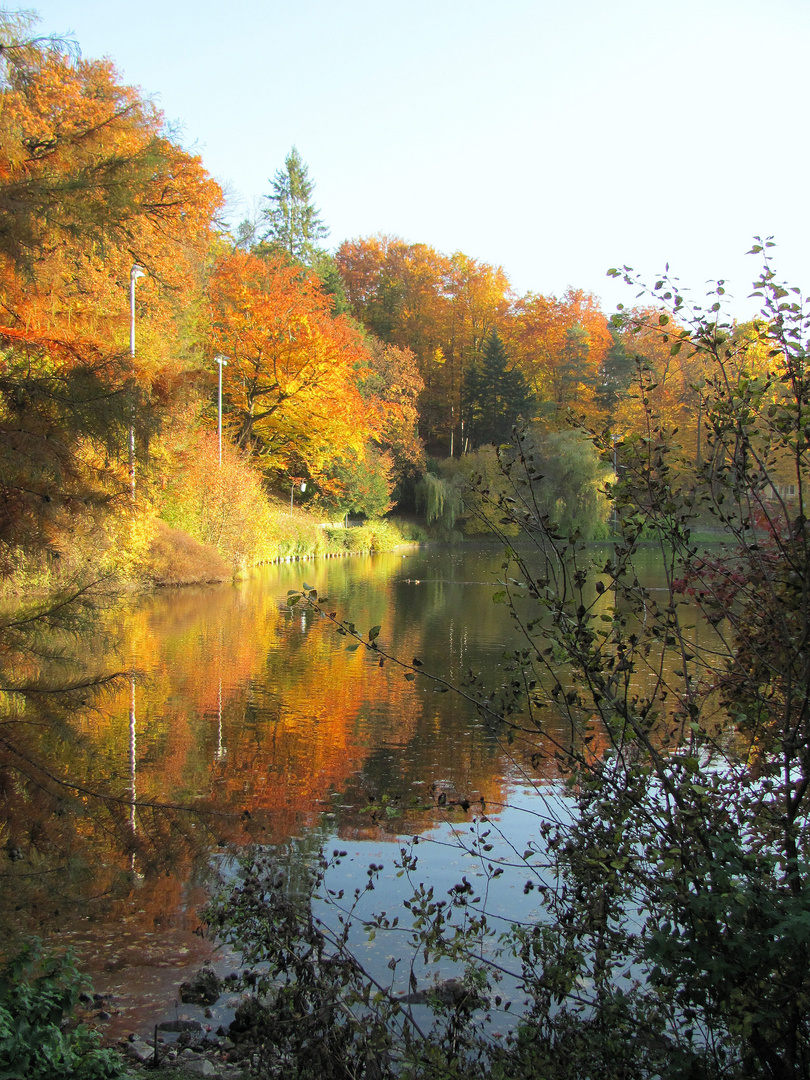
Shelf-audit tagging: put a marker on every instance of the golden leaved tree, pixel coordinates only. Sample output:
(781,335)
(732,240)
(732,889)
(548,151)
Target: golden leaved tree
(291,386)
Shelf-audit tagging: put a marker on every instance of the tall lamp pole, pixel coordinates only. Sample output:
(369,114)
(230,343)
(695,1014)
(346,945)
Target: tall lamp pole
(296,481)
(134,273)
(223,362)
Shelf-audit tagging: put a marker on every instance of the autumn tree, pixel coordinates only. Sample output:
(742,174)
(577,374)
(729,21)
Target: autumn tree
(91,183)
(440,307)
(618,369)
(560,345)
(393,386)
(291,388)
(294,224)
(88,172)
(672,382)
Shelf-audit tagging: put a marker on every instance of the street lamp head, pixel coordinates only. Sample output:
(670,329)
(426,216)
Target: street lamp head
(136,272)
(221,360)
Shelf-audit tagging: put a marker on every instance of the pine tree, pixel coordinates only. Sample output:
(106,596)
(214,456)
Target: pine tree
(294,223)
(495,394)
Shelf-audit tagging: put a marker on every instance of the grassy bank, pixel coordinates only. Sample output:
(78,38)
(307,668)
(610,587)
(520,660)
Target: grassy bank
(175,558)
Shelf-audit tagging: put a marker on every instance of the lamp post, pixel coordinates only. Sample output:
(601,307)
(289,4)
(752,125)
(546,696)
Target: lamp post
(134,273)
(296,480)
(222,361)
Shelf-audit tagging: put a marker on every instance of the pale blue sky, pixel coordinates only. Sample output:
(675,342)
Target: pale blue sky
(555,139)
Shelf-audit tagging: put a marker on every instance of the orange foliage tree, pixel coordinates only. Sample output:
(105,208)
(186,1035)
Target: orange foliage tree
(440,307)
(394,384)
(291,385)
(560,345)
(91,183)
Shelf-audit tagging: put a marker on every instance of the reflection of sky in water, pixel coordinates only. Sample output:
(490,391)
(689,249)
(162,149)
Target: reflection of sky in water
(468,849)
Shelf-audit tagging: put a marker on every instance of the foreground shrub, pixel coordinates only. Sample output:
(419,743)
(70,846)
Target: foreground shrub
(37,1036)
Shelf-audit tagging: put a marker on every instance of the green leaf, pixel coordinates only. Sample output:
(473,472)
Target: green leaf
(351,648)
(374,633)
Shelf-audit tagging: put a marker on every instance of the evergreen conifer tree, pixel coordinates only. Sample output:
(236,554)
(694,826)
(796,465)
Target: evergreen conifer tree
(294,223)
(496,394)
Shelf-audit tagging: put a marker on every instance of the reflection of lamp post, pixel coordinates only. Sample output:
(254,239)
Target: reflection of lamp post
(222,361)
(133,764)
(296,480)
(134,273)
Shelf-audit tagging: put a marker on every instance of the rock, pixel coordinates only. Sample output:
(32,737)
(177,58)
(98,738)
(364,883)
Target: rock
(200,1067)
(451,992)
(204,989)
(140,1051)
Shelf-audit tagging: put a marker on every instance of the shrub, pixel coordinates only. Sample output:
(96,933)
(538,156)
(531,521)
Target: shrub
(37,1036)
(175,558)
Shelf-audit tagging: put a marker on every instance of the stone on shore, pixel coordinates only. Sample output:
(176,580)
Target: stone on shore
(203,989)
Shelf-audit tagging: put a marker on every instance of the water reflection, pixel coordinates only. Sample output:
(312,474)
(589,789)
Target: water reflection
(253,713)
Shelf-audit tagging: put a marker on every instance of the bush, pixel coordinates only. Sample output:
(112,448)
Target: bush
(375,535)
(225,507)
(175,558)
(37,1036)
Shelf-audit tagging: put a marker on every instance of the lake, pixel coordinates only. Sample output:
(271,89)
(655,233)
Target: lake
(256,715)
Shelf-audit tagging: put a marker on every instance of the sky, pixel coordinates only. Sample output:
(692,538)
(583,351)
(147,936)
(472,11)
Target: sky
(555,139)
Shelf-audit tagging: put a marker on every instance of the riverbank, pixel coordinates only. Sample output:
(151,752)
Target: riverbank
(174,558)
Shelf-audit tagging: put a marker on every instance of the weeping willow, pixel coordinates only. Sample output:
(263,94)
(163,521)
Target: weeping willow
(440,500)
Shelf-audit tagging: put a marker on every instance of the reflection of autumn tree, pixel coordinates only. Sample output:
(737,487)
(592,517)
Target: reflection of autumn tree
(297,711)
